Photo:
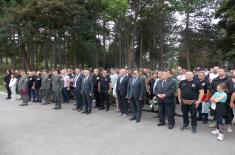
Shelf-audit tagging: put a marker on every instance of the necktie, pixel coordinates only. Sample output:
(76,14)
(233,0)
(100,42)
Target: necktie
(163,83)
(134,80)
(75,80)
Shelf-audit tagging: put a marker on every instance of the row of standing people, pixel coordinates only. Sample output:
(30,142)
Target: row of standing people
(193,90)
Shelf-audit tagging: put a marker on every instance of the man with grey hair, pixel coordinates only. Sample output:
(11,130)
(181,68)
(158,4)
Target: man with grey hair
(121,90)
(77,84)
(87,91)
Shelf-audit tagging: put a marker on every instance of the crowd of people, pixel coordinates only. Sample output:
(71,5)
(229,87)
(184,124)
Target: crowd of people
(200,92)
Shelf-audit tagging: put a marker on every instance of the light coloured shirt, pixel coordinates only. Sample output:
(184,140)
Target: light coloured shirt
(220,94)
(75,80)
(155,83)
(66,79)
(114,78)
(13,82)
(181,77)
(212,76)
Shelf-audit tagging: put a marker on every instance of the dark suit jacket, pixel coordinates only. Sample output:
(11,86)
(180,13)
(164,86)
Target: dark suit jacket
(88,85)
(136,89)
(169,90)
(79,83)
(121,88)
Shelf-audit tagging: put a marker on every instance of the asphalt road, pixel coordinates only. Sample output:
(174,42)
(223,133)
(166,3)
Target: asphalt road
(40,130)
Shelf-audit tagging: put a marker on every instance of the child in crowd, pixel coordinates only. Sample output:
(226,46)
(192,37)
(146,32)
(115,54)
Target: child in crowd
(218,101)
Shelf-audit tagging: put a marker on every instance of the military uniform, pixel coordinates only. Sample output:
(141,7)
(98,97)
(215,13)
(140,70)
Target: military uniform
(45,89)
(57,85)
(23,90)
(96,80)
(31,91)
(104,92)
(37,86)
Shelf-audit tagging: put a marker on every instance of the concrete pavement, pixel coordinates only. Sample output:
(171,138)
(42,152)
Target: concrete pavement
(39,130)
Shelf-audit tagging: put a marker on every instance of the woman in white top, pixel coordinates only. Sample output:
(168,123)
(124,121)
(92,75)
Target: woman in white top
(12,86)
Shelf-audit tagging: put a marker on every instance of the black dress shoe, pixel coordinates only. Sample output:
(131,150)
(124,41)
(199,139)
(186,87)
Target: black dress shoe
(170,126)
(101,108)
(199,119)
(194,129)
(137,120)
(132,118)
(107,109)
(161,124)
(84,112)
(88,113)
(184,127)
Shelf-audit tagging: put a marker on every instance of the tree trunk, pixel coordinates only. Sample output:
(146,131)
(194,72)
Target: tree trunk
(187,38)
(104,52)
(141,48)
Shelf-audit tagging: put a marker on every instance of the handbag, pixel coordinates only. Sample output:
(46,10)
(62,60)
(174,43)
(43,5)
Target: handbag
(188,102)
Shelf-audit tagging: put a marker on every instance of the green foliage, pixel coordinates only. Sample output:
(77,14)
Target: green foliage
(66,32)
(226,14)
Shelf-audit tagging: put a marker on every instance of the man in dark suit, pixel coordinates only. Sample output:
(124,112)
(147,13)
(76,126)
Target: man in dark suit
(87,91)
(136,91)
(165,92)
(77,84)
(121,90)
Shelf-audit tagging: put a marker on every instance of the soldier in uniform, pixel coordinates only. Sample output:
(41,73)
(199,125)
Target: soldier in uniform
(23,88)
(37,86)
(105,89)
(45,88)
(57,86)
(96,80)
(31,91)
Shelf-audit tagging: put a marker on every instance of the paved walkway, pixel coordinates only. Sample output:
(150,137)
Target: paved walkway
(40,130)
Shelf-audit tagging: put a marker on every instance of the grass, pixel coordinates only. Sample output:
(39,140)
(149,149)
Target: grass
(2,87)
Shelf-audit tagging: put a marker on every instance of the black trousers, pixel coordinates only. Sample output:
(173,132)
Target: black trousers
(8,91)
(87,101)
(97,97)
(123,105)
(167,110)
(193,111)
(228,114)
(136,106)
(78,98)
(202,116)
(105,99)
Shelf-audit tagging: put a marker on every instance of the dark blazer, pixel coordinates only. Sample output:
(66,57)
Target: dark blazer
(121,88)
(169,90)
(87,85)
(79,83)
(136,89)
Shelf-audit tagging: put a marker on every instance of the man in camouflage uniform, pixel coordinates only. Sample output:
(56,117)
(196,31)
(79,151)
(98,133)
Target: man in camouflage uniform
(57,85)
(45,88)
(23,88)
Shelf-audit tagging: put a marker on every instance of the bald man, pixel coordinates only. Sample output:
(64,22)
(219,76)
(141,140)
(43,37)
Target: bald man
(190,94)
